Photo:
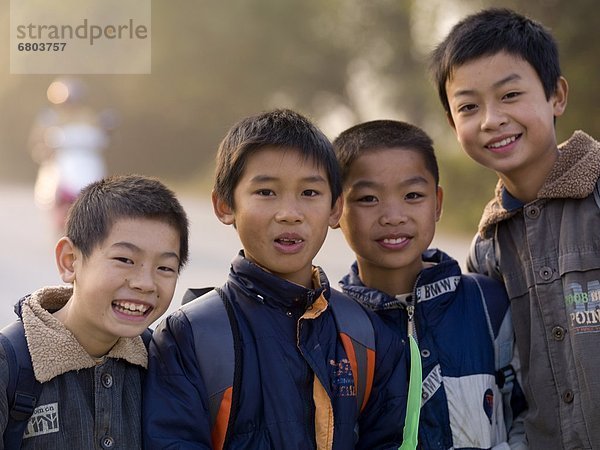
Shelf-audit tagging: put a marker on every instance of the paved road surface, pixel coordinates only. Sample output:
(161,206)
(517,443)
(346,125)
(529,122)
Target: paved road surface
(27,246)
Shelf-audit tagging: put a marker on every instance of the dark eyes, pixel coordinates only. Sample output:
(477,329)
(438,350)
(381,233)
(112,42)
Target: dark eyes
(310,193)
(368,199)
(124,260)
(413,196)
(269,193)
(467,108)
(512,95)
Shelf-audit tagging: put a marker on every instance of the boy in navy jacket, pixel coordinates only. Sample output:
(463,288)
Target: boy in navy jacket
(295,384)
(392,201)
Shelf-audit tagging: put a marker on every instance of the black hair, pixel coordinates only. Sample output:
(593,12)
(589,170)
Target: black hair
(280,128)
(492,31)
(384,134)
(102,203)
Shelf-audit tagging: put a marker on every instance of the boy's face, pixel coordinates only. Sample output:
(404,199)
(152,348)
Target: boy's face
(125,284)
(282,212)
(391,206)
(501,116)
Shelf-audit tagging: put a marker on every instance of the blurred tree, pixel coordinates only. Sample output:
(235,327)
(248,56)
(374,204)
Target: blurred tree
(337,61)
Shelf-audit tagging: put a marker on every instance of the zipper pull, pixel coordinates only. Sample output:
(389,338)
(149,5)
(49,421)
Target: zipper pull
(410,310)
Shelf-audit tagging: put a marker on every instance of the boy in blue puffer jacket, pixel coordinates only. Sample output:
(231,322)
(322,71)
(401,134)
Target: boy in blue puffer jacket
(392,202)
(295,383)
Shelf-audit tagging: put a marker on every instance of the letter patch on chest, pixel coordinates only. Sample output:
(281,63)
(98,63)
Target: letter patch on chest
(44,420)
(583,307)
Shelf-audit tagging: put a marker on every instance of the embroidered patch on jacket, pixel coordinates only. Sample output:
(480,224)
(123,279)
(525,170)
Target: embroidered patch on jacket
(343,380)
(583,307)
(44,420)
(488,404)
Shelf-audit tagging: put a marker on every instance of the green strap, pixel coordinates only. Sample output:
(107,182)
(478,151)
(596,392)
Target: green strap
(413,407)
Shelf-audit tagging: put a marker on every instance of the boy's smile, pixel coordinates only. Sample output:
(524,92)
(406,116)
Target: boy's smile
(124,285)
(503,120)
(390,209)
(282,210)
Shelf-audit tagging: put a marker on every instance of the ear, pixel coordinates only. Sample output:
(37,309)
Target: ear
(336,213)
(66,254)
(222,210)
(440,198)
(559,99)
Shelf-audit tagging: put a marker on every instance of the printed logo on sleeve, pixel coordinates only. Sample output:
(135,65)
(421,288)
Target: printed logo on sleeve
(44,420)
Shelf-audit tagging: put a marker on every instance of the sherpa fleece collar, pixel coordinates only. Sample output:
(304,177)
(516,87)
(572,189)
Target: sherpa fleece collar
(573,175)
(54,349)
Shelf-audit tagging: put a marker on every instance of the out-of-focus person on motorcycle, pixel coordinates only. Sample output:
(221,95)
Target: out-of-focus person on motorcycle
(67,141)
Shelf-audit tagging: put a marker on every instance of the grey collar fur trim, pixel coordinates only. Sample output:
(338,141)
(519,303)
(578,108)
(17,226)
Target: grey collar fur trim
(54,349)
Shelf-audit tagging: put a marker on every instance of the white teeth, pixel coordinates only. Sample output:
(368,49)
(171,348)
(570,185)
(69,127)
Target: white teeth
(503,142)
(131,308)
(293,241)
(394,241)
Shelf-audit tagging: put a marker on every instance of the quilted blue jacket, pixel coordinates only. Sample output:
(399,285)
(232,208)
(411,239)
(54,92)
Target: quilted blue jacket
(290,345)
(462,406)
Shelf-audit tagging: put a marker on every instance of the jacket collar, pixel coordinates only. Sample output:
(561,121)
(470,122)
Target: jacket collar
(265,287)
(573,175)
(54,349)
(445,267)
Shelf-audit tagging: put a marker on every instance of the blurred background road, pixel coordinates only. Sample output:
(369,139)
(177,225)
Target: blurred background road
(27,249)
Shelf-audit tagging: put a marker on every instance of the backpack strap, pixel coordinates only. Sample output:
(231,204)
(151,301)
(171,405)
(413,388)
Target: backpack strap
(217,347)
(214,345)
(23,390)
(496,306)
(597,193)
(358,338)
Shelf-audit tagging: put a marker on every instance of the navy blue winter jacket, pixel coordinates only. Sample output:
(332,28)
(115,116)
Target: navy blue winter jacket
(462,406)
(290,351)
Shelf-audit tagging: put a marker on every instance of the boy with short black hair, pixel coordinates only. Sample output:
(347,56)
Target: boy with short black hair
(498,77)
(126,241)
(392,201)
(295,381)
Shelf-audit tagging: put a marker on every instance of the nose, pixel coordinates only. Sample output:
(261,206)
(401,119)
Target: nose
(289,211)
(493,118)
(393,214)
(142,279)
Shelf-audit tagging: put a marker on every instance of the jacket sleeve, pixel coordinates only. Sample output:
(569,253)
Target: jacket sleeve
(482,257)
(381,423)
(175,411)
(516,404)
(3,394)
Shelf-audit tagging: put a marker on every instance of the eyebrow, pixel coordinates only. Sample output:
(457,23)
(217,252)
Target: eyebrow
(135,248)
(269,178)
(372,184)
(496,85)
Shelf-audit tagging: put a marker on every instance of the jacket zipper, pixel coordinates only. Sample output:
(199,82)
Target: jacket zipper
(411,304)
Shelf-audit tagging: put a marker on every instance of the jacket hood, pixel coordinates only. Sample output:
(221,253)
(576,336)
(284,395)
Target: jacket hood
(54,350)
(573,175)
(445,266)
(264,286)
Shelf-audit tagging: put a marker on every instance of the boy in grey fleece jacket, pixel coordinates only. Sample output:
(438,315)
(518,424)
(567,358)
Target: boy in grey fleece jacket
(126,241)
(498,77)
